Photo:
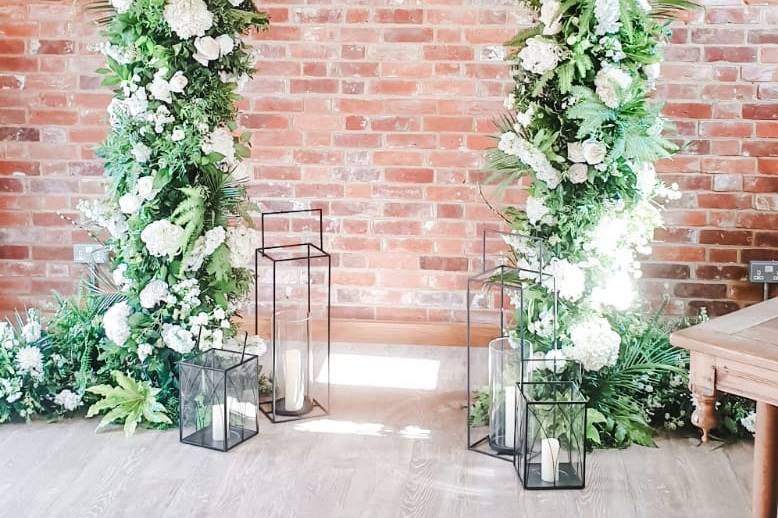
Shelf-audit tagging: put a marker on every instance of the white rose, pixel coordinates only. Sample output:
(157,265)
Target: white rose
(129,203)
(159,88)
(178,82)
(539,56)
(578,173)
(575,152)
(141,152)
(178,135)
(549,17)
(145,187)
(208,49)
(121,6)
(226,44)
(594,152)
(153,293)
(536,210)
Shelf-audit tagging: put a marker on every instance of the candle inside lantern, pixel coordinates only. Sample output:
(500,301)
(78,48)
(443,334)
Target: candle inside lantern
(293,381)
(510,416)
(549,460)
(217,423)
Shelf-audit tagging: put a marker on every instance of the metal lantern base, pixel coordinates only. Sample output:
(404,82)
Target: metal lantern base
(204,438)
(311,408)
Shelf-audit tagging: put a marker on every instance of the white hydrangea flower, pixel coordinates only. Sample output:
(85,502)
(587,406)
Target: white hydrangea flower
(610,84)
(188,18)
(607,13)
(570,279)
(116,324)
(616,292)
(144,351)
(130,203)
(29,360)
(68,400)
(593,151)
(141,152)
(242,242)
(595,343)
(578,173)
(539,55)
(162,238)
(145,187)
(749,422)
(121,6)
(220,141)
(511,144)
(536,210)
(153,293)
(177,338)
(549,17)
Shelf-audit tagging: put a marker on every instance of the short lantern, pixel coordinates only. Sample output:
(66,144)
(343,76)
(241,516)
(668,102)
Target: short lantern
(219,399)
(551,435)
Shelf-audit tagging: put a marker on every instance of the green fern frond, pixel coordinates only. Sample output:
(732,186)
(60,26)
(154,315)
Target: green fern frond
(190,213)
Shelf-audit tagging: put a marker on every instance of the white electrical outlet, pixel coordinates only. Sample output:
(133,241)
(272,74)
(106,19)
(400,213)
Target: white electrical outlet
(88,253)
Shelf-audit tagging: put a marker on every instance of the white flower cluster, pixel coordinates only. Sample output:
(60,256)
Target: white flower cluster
(512,144)
(161,88)
(120,279)
(210,328)
(612,48)
(68,400)
(144,351)
(131,202)
(611,82)
(188,293)
(163,238)
(749,422)
(100,213)
(29,360)
(220,141)
(7,337)
(239,80)
(11,389)
(652,72)
(568,278)
(544,325)
(538,212)
(122,55)
(116,323)
(188,18)
(242,242)
(121,6)
(549,17)
(595,343)
(210,48)
(607,13)
(154,292)
(203,247)
(540,55)
(177,338)
(31,330)
(524,119)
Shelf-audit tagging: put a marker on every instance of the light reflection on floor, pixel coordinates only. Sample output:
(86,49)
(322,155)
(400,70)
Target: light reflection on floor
(382,371)
(354,428)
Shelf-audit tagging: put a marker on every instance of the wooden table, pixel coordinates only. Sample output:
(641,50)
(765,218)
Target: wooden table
(738,354)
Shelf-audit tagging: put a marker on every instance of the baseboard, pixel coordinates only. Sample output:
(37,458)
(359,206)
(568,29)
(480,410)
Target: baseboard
(401,333)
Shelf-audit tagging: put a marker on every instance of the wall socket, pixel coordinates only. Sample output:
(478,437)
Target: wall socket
(763,271)
(88,253)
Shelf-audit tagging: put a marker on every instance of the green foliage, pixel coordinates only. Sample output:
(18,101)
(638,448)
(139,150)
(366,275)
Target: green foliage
(130,402)
(479,410)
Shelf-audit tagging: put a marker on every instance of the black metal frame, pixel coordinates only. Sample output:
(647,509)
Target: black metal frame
(268,408)
(523,470)
(245,358)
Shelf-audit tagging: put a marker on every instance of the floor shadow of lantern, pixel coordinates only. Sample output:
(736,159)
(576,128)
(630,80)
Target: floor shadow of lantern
(298,274)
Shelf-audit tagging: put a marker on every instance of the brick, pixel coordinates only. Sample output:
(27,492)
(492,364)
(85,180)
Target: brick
(730,54)
(700,290)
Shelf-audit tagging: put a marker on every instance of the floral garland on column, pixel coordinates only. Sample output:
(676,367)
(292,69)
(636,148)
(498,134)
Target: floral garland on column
(583,135)
(174,219)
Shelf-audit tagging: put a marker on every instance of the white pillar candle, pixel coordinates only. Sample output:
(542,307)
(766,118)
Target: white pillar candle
(549,460)
(217,422)
(510,415)
(294,384)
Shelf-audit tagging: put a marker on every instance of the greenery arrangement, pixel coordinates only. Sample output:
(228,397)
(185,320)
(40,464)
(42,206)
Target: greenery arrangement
(175,219)
(582,135)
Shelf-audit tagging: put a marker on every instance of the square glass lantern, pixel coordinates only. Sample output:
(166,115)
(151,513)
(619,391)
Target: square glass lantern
(292,300)
(219,399)
(496,356)
(551,435)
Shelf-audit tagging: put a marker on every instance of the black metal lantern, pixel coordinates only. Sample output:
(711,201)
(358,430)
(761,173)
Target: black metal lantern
(219,399)
(551,435)
(293,293)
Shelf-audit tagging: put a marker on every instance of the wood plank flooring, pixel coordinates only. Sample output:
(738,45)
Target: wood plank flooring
(386,451)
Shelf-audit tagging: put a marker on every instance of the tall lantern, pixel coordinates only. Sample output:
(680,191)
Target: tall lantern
(292,300)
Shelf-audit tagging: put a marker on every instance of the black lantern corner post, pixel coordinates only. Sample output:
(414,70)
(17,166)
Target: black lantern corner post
(292,295)
(219,399)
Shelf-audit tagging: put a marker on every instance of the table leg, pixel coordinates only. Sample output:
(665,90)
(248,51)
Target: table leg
(704,416)
(765,460)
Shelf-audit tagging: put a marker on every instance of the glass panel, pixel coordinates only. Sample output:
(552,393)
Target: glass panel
(293,352)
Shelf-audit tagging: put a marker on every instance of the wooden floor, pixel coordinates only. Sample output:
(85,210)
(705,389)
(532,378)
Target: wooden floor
(385,452)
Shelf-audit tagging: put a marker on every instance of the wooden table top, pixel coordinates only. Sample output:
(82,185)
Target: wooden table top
(749,335)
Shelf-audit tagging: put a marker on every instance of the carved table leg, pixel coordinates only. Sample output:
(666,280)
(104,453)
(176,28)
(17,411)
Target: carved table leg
(704,416)
(765,460)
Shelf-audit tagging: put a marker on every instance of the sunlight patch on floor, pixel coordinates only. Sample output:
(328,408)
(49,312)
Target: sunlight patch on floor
(382,371)
(335,426)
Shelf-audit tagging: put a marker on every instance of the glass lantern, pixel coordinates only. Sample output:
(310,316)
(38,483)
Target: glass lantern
(551,435)
(292,297)
(219,399)
(504,375)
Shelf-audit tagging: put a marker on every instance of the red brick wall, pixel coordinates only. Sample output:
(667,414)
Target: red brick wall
(379,113)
